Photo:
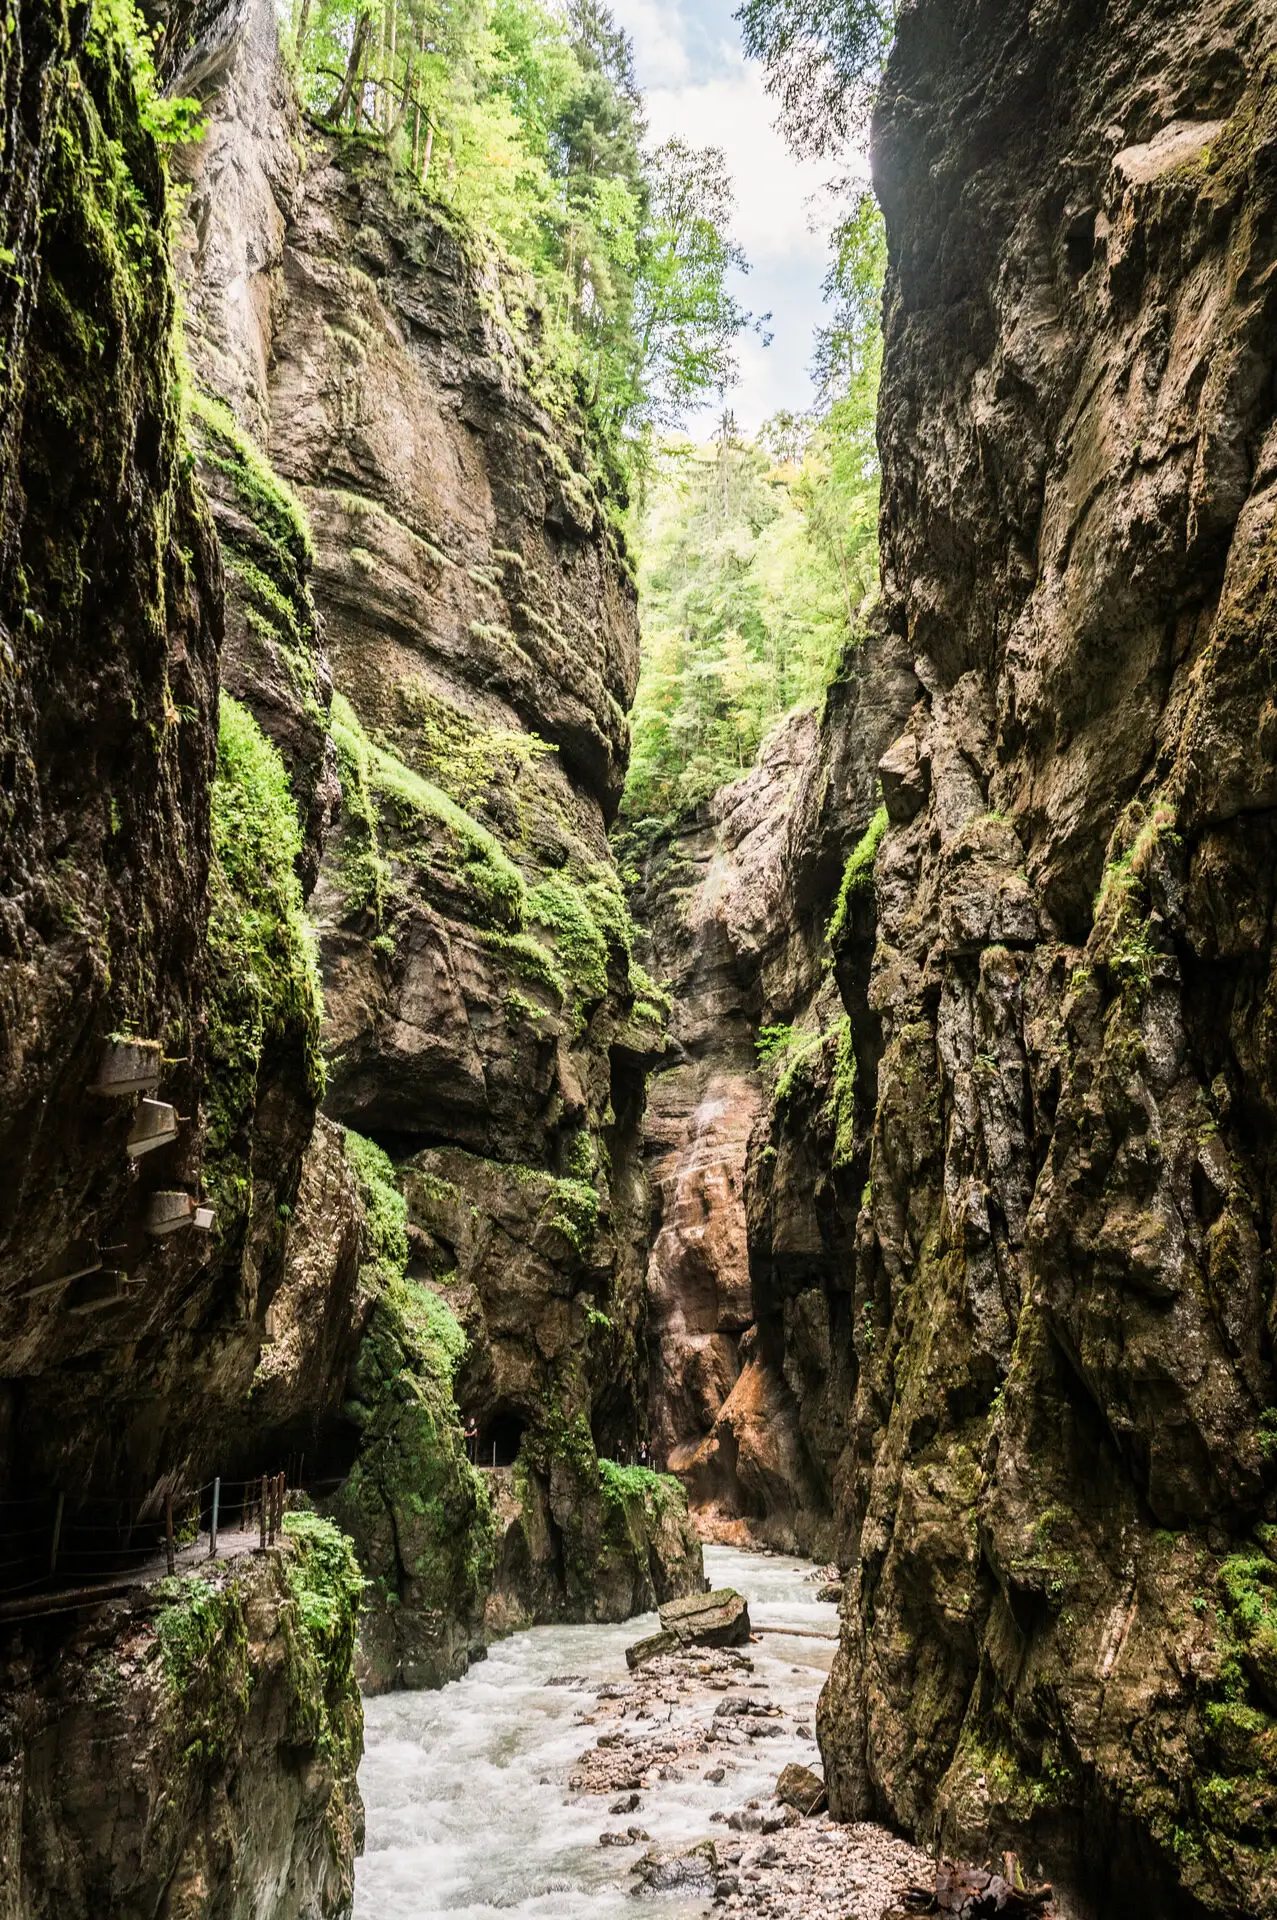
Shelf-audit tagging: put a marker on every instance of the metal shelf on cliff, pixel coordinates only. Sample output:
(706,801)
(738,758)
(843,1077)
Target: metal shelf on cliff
(168,1212)
(90,1264)
(99,1291)
(155,1124)
(128,1067)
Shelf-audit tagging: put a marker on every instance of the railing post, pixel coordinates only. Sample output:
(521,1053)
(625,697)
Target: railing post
(57,1532)
(261,1514)
(212,1525)
(168,1533)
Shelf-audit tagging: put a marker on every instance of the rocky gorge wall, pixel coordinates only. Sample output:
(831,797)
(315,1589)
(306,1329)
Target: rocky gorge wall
(1059,1473)
(757,1125)
(197,1741)
(346,459)
(483,1021)
(1005,1213)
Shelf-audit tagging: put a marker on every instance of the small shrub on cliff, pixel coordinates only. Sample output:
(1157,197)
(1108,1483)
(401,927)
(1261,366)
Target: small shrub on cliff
(659,1490)
(325,1580)
(771,1044)
(203,1645)
(857,879)
(385,1211)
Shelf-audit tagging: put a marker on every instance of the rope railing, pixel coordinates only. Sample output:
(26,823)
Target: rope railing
(77,1541)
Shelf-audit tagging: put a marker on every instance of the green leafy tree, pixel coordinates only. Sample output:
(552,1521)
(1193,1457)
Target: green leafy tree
(823,59)
(839,488)
(743,617)
(688,320)
(757,561)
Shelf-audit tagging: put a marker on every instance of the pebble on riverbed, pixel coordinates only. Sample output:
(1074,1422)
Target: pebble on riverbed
(771,1860)
(816,1870)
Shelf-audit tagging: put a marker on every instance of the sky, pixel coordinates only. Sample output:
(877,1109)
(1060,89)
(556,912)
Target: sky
(699,84)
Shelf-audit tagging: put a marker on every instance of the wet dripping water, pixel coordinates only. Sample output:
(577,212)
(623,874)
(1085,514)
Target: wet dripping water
(469,1813)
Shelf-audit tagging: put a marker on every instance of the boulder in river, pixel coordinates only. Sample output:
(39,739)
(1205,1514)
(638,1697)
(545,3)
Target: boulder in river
(691,1869)
(718,1619)
(651,1649)
(799,1787)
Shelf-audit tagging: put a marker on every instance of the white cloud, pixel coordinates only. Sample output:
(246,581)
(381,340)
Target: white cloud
(659,32)
(773,189)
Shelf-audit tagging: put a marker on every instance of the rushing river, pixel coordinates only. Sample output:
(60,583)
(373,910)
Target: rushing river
(468,1811)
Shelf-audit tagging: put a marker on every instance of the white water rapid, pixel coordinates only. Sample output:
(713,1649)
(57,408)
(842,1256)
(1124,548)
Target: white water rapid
(469,1813)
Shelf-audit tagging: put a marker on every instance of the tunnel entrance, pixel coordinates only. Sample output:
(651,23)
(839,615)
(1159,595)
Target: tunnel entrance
(499,1438)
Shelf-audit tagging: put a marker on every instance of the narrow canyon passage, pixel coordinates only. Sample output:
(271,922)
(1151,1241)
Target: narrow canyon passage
(626,951)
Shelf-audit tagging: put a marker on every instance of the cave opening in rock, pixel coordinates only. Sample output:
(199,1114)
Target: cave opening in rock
(500,1437)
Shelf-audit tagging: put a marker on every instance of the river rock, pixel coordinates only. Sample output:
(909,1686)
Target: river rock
(650,1649)
(799,1787)
(718,1619)
(691,1869)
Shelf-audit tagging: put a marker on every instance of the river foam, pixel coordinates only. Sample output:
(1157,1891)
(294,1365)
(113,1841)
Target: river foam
(469,1813)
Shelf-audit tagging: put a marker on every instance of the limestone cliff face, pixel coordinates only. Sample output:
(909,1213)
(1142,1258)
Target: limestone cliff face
(197,1743)
(110,607)
(482,1019)
(1061,1473)
(757,1162)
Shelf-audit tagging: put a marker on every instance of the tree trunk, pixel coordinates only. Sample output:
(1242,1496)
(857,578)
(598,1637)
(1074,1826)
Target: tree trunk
(846,584)
(346,92)
(393,118)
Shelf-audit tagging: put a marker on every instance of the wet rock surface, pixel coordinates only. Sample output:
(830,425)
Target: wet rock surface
(750,1334)
(716,1619)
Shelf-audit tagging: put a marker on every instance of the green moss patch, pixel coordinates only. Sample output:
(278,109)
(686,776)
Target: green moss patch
(266,499)
(385,1210)
(398,813)
(857,879)
(420,1516)
(264,992)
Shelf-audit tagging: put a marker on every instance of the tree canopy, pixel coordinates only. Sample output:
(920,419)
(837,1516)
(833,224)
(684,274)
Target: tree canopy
(757,559)
(823,59)
(526,120)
